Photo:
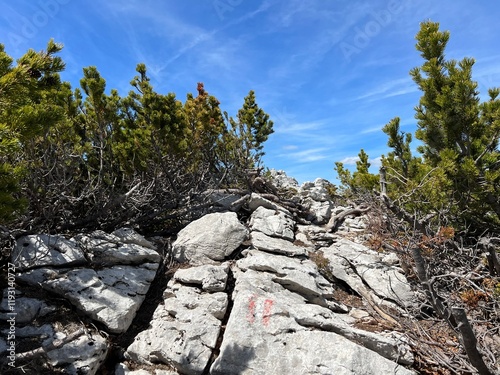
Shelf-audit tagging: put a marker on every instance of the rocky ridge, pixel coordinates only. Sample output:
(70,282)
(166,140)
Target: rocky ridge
(263,295)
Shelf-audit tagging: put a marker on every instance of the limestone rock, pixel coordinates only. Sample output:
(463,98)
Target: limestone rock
(393,346)
(105,249)
(299,276)
(276,245)
(272,223)
(282,181)
(110,295)
(315,236)
(263,336)
(183,331)
(26,309)
(319,211)
(353,224)
(130,236)
(209,239)
(46,250)
(359,267)
(83,356)
(316,190)
(211,278)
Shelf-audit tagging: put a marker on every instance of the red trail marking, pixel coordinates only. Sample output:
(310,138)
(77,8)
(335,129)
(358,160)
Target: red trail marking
(266,316)
(251,309)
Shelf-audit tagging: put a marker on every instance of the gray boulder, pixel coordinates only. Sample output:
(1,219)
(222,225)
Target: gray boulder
(211,278)
(272,223)
(319,211)
(82,356)
(277,245)
(316,190)
(282,181)
(362,268)
(183,331)
(110,295)
(105,249)
(46,250)
(299,276)
(81,353)
(264,335)
(209,239)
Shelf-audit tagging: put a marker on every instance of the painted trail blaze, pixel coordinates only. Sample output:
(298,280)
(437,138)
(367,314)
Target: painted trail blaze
(266,311)
(268,305)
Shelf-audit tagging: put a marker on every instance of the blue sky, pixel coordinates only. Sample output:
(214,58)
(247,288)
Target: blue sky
(330,73)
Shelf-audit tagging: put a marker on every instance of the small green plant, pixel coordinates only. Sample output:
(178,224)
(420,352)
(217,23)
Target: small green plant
(496,291)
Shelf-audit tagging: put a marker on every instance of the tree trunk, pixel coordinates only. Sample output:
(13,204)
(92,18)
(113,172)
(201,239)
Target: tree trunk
(469,341)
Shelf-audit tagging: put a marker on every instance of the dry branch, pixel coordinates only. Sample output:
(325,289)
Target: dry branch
(336,220)
(56,344)
(469,341)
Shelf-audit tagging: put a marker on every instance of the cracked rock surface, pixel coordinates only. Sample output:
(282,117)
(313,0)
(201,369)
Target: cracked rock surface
(261,295)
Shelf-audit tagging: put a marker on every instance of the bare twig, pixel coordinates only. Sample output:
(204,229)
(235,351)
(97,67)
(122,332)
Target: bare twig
(56,344)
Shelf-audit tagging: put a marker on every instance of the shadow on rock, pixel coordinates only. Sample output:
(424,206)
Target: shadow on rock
(233,360)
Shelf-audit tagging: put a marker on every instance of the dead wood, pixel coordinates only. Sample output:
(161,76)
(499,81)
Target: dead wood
(338,219)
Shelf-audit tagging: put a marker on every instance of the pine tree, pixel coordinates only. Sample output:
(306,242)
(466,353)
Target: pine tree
(460,167)
(27,111)
(252,127)
(361,181)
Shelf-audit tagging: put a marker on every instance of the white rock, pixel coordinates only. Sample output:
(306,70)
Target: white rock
(183,331)
(110,295)
(46,250)
(394,347)
(272,223)
(281,180)
(320,211)
(385,280)
(130,236)
(209,239)
(211,278)
(276,245)
(104,249)
(317,234)
(263,336)
(84,355)
(316,190)
(299,276)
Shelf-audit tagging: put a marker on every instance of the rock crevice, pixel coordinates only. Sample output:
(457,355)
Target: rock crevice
(270,310)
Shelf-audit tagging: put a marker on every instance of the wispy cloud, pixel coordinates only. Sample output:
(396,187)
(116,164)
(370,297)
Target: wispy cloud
(299,128)
(352,160)
(306,156)
(401,86)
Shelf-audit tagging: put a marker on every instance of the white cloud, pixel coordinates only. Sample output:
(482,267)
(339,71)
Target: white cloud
(299,128)
(376,162)
(350,160)
(306,156)
(401,86)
